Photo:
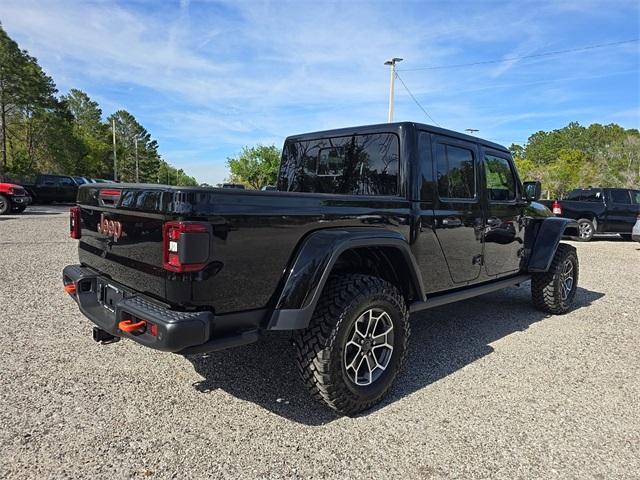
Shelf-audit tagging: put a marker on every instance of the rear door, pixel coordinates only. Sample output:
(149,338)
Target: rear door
(68,189)
(504,231)
(621,210)
(458,215)
(47,190)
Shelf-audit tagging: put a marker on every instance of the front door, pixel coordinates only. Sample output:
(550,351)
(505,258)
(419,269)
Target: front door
(504,231)
(621,210)
(458,216)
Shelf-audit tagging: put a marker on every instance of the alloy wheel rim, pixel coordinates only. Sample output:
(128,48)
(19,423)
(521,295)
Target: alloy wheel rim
(369,347)
(585,230)
(566,279)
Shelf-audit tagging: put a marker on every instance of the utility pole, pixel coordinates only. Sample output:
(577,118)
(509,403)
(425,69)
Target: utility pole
(136,148)
(392,63)
(115,160)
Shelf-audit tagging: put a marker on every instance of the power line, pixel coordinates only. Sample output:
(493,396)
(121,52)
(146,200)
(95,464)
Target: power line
(509,59)
(415,99)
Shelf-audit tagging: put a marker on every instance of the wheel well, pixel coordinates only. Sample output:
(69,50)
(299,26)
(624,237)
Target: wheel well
(571,231)
(388,263)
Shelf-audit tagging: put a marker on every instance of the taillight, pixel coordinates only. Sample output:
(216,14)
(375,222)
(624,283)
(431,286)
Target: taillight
(185,246)
(557,210)
(74,223)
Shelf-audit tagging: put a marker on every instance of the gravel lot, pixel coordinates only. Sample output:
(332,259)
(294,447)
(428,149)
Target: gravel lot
(493,388)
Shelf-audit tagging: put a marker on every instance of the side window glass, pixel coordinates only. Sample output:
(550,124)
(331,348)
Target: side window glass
(635,197)
(455,172)
(591,196)
(51,181)
(620,196)
(501,184)
(66,181)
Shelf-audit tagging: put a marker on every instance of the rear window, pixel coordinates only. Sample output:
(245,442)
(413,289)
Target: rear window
(354,165)
(588,195)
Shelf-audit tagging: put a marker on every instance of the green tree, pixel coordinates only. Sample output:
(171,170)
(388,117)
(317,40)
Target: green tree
(91,132)
(128,133)
(577,156)
(255,166)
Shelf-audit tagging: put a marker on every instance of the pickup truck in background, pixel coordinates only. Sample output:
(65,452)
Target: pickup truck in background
(52,188)
(367,225)
(13,198)
(599,210)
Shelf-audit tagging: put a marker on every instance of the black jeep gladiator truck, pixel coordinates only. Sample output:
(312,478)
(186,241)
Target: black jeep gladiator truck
(368,225)
(599,210)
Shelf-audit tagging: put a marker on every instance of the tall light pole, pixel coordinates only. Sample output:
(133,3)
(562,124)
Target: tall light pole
(115,160)
(136,149)
(392,64)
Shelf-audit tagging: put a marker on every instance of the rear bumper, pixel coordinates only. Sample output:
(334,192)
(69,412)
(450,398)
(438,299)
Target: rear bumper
(164,329)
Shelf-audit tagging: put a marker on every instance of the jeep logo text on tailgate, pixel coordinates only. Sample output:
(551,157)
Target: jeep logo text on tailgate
(110,228)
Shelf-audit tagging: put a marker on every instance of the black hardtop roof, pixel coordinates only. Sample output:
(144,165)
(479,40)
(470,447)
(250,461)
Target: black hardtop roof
(393,127)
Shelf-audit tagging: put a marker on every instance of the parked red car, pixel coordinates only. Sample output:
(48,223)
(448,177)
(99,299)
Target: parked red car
(13,198)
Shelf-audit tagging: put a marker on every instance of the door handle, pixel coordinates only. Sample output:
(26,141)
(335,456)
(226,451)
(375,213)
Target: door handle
(451,222)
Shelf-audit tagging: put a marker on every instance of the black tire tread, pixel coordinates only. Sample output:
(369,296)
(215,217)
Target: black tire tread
(544,292)
(7,205)
(315,344)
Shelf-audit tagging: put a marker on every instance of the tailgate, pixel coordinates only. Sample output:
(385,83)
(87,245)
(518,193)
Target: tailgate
(121,234)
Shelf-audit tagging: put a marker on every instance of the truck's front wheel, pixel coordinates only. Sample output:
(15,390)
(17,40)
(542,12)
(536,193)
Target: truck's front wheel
(555,290)
(355,344)
(5,205)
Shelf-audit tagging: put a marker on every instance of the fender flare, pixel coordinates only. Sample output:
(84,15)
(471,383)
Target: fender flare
(550,232)
(314,260)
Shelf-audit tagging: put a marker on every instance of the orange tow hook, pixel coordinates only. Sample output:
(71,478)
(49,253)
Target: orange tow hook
(70,288)
(128,326)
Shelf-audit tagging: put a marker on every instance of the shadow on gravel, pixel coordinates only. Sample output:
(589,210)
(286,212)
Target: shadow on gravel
(443,340)
(17,216)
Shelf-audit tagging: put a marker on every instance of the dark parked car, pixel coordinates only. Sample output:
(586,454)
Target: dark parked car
(368,224)
(52,188)
(599,210)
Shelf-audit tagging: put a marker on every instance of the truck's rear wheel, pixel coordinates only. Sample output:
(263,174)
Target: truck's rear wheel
(586,229)
(555,290)
(355,344)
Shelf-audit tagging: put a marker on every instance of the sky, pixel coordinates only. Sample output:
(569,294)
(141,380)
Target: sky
(206,78)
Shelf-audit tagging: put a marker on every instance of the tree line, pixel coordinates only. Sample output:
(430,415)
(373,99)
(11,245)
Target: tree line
(577,157)
(41,132)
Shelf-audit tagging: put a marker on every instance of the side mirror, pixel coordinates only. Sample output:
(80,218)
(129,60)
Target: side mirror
(532,191)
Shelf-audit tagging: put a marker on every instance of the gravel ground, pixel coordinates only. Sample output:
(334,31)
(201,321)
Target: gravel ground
(493,388)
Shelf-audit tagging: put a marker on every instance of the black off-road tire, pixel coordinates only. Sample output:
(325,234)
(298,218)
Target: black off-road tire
(5,205)
(626,236)
(321,347)
(586,230)
(547,290)
(19,209)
